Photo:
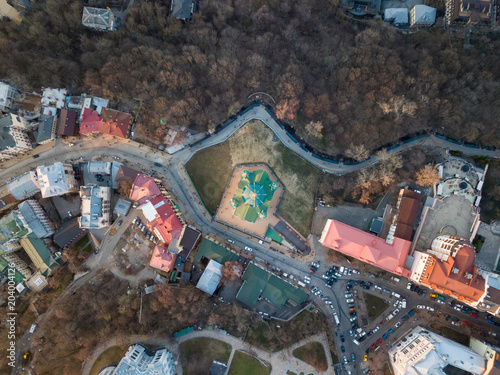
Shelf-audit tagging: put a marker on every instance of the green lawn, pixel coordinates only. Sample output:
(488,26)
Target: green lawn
(459,337)
(375,305)
(110,356)
(243,364)
(312,354)
(253,143)
(197,355)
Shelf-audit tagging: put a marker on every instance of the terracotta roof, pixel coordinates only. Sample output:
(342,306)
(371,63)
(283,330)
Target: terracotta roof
(367,247)
(451,275)
(126,174)
(67,123)
(166,223)
(162,259)
(110,122)
(144,189)
(407,214)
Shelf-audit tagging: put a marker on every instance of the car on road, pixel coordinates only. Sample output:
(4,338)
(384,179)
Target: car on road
(342,348)
(377,287)
(120,222)
(345,360)
(157,164)
(430,308)
(409,285)
(353,357)
(318,292)
(365,358)
(441,302)
(351,333)
(249,249)
(474,315)
(350,300)
(342,338)
(69,214)
(230,240)
(379,340)
(421,307)
(33,327)
(36,156)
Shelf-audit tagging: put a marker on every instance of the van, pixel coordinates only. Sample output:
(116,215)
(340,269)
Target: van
(390,317)
(285,274)
(302,284)
(403,304)
(396,295)
(341,270)
(356,342)
(395,279)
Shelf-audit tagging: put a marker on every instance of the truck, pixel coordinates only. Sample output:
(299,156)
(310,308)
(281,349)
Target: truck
(303,285)
(337,321)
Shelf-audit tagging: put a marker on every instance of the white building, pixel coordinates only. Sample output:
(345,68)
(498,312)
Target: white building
(33,217)
(140,361)
(422,15)
(14,137)
(56,179)
(18,264)
(99,167)
(96,207)
(24,186)
(423,352)
(6,94)
(211,277)
(396,16)
(98,18)
(54,98)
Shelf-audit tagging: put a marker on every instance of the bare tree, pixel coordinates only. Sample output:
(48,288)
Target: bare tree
(427,176)
(358,152)
(232,270)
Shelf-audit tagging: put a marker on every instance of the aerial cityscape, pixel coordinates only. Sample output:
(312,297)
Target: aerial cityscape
(250,187)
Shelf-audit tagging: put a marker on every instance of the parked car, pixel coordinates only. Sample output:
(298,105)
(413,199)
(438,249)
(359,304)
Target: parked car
(342,348)
(384,336)
(350,300)
(249,249)
(409,285)
(421,307)
(345,360)
(342,338)
(365,358)
(230,240)
(474,315)
(353,357)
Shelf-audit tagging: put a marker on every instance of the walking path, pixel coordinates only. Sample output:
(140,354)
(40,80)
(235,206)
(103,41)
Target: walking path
(280,362)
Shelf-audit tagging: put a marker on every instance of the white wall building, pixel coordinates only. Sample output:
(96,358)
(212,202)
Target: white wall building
(33,217)
(422,15)
(54,98)
(14,137)
(96,207)
(98,18)
(6,94)
(140,361)
(99,167)
(423,352)
(56,179)
(24,186)
(18,263)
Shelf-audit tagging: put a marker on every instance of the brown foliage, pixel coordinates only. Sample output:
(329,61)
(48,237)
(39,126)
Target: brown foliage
(427,176)
(232,270)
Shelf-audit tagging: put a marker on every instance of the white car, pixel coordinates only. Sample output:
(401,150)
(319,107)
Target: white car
(396,304)
(348,295)
(328,302)
(376,329)
(325,276)
(441,302)
(307,278)
(421,307)
(430,308)
(377,287)
(396,311)
(356,272)
(249,249)
(350,300)
(307,281)
(318,292)
(230,240)
(457,308)
(397,324)
(408,286)
(33,327)
(353,319)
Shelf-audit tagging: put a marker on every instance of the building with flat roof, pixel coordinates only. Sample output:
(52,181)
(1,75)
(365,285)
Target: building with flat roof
(14,138)
(122,207)
(33,217)
(67,123)
(366,247)
(47,129)
(98,18)
(39,253)
(109,121)
(37,282)
(8,11)
(7,92)
(96,207)
(140,361)
(99,167)
(54,97)
(183,9)
(210,279)
(56,179)
(424,352)
(24,186)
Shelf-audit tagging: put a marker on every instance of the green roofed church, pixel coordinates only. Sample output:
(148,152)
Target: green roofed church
(261,283)
(251,199)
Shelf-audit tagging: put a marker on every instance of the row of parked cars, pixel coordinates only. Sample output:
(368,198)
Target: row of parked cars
(144,229)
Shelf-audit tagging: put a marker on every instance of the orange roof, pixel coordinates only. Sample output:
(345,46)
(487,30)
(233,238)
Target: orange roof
(450,275)
(162,259)
(144,189)
(166,222)
(367,247)
(110,122)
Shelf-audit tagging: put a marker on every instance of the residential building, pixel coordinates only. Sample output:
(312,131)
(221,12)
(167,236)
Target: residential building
(140,361)
(448,267)
(7,92)
(24,186)
(210,279)
(491,355)
(37,282)
(11,229)
(14,138)
(99,167)
(47,129)
(144,189)
(67,123)
(39,253)
(422,15)
(186,243)
(473,12)
(424,352)
(122,207)
(96,207)
(162,220)
(33,217)
(124,175)
(4,271)
(108,122)
(19,264)
(69,233)
(366,247)
(183,9)
(98,18)
(396,16)
(8,11)
(56,179)
(162,259)
(403,221)
(361,7)
(54,97)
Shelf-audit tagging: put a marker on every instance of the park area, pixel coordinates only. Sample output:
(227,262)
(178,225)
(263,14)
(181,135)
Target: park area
(198,354)
(211,169)
(312,354)
(243,364)
(374,305)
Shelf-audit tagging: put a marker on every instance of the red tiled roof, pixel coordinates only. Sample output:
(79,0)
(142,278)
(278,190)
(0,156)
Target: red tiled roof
(162,259)
(367,247)
(144,189)
(441,275)
(166,221)
(407,214)
(110,122)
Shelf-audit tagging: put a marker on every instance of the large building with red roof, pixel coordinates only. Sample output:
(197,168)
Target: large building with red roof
(108,122)
(144,189)
(448,267)
(162,259)
(366,247)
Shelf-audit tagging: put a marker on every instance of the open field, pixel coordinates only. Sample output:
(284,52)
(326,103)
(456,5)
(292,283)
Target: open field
(253,143)
(312,354)
(198,354)
(243,364)
(375,305)
(110,356)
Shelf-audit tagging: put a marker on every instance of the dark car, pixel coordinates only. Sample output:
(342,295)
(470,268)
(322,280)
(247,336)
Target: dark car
(366,287)
(342,348)
(379,340)
(404,318)
(385,335)
(36,156)
(455,319)
(120,222)
(342,338)
(157,165)
(353,357)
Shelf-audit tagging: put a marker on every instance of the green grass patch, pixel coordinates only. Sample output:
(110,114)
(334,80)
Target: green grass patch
(253,144)
(335,357)
(243,364)
(82,243)
(478,243)
(263,337)
(447,332)
(110,356)
(312,354)
(197,355)
(375,305)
